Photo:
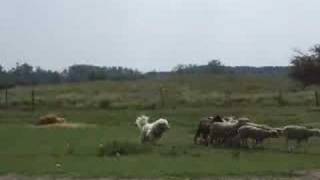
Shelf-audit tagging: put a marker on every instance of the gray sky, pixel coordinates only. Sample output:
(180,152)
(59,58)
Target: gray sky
(155,34)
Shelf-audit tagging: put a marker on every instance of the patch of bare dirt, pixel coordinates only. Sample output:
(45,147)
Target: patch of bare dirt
(65,125)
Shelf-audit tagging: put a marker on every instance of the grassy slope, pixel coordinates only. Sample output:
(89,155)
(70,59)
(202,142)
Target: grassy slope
(195,91)
(34,151)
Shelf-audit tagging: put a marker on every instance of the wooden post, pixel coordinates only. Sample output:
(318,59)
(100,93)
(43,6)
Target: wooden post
(316,97)
(280,98)
(6,97)
(162,97)
(0,97)
(227,98)
(32,99)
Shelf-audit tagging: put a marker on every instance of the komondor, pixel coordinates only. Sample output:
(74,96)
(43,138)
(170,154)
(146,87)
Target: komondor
(151,132)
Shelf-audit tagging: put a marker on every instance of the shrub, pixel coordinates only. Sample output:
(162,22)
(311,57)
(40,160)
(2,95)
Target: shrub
(104,104)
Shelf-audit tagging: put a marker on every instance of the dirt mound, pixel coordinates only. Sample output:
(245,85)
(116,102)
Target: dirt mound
(66,125)
(55,121)
(50,119)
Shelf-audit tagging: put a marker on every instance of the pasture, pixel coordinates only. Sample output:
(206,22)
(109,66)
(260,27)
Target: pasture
(111,109)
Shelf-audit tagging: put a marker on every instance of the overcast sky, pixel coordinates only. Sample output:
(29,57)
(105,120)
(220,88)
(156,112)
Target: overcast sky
(155,34)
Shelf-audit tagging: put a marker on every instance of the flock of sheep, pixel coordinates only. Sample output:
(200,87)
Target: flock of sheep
(228,131)
(235,132)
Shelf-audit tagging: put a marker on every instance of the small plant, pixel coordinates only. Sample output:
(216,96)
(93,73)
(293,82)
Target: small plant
(69,149)
(235,154)
(105,104)
(101,151)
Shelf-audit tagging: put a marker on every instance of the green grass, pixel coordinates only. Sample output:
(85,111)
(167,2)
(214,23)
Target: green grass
(36,151)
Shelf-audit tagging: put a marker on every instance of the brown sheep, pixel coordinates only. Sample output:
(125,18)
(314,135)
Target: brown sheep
(220,132)
(204,128)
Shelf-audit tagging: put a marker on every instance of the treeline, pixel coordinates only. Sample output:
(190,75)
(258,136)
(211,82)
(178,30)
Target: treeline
(306,66)
(25,74)
(216,67)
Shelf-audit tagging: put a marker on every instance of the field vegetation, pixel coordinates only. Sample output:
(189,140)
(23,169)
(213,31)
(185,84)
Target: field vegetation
(111,147)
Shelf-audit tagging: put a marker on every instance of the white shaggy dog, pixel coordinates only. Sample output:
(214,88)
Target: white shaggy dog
(151,132)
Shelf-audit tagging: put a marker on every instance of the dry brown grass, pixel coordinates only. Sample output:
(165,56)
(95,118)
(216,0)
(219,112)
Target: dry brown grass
(66,125)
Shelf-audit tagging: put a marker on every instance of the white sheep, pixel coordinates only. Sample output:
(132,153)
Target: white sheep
(256,133)
(299,134)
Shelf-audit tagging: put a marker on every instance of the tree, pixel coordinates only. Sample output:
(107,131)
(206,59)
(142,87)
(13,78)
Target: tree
(306,67)
(215,66)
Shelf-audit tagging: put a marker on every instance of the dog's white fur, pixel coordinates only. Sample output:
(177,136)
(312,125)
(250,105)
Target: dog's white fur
(151,132)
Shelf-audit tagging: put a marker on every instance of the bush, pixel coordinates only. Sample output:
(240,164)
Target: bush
(117,148)
(104,104)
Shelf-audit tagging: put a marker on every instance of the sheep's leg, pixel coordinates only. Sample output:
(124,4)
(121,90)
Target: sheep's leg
(261,143)
(144,138)
(288,145)
(206,140)
(195,139)
(298,143)
(244,142)
(257,143)
(305,146)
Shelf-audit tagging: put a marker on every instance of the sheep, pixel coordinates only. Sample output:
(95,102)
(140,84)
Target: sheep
(262,126)
(151,132)
(299,133)
(222,131)
(229,118)
(259,134)
(204,128)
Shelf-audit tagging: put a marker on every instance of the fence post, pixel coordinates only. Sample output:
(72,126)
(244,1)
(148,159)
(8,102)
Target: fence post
(0,97)
(32,99)
(6,97)
(162,97)
(227,98)
(281,100)
(316,97)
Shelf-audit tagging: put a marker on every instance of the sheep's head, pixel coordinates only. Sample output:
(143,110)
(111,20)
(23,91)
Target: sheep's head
(229,118)
(215,118)
(141,121)
(316,132)
(274,133)
(279,131)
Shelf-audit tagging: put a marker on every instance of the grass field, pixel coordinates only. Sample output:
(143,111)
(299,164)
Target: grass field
(37,151)
(27,150)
